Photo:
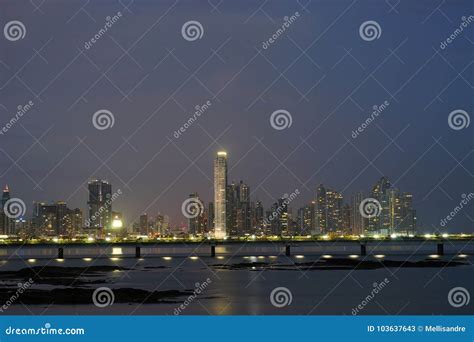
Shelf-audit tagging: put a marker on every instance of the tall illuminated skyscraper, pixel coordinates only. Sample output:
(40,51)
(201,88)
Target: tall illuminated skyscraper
(100,205)
(6,223)
(220,195)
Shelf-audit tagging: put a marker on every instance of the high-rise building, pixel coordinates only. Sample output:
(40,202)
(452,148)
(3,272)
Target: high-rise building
(305,220)
(220,195)
(6,223)
(380,224)
(358,222)
(143,224)
(245,220)
(346,219)
(329,210)
(195,223)
(397,215)
(277,220)
(100,205)
(232,206)
(239,216)
(258,214)
(408,215)
(56,219)
(210,217)
(321,210)
(77,220)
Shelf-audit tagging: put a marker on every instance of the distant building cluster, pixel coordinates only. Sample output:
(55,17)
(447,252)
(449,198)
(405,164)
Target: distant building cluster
(232,213)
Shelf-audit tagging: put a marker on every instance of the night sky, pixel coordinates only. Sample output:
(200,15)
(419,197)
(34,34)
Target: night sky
(320,70)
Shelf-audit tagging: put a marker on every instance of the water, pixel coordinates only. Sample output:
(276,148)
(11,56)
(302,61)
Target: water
(246,291)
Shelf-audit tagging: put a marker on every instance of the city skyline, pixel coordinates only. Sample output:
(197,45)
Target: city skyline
(167,122)
(271,159)
(328,212)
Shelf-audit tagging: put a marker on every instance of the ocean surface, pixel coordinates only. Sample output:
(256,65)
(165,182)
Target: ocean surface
(257,279)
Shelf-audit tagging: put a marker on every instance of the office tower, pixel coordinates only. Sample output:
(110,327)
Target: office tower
(401,213)
(166,225)
(239,218)
(258,214)
(394,210)
(381,224)
(334,201)
(220,195)
(313,221)
(232,208)
(143,224)
(329,206)
(56,219)
(100,205)
(305,219)
(210,217)
(408,215)
(195,223)
(358,222)
(301,221)
(346,219)
(397,215)
(6,223)
(277,219)
(245,226)
(77,221)
(321,210)
(159,224)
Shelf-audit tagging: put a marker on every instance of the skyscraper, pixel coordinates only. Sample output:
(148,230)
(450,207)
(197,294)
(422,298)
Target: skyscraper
(195,224)
(220,195)
(329,210)
(100,204)
(143,224)
(358,222)
(238,212)
(397,215)
(7,224)
(210,217)
(381,224)
(56,219)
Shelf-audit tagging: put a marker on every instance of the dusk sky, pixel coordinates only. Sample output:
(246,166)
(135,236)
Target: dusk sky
(320,70)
